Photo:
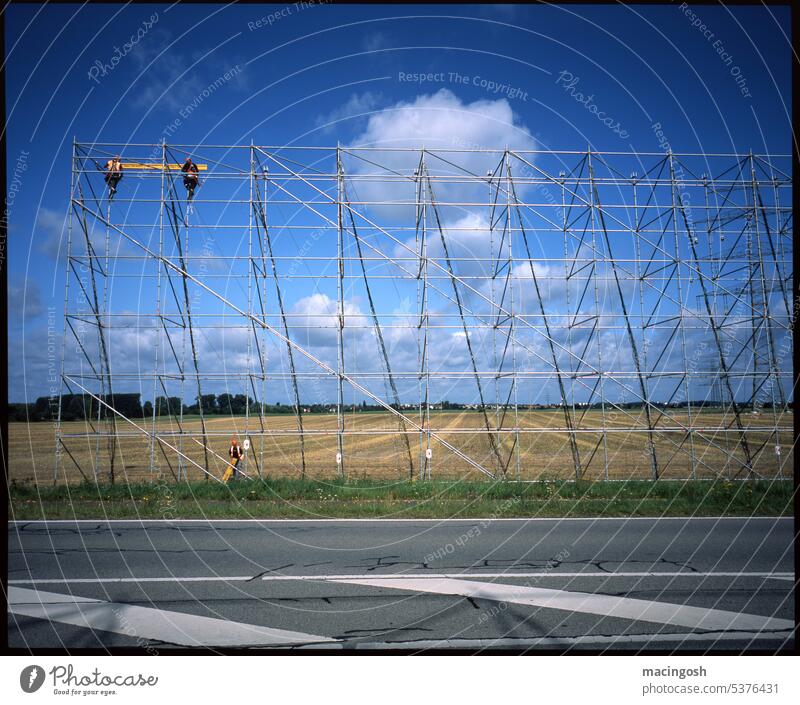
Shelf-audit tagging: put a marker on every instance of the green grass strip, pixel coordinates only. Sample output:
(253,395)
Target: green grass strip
(287,499)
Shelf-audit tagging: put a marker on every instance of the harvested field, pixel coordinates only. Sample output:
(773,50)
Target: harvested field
(373,447)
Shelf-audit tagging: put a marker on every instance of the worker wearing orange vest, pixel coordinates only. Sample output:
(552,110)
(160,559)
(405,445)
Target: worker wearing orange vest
(190,180)
(113,174)
(235,453)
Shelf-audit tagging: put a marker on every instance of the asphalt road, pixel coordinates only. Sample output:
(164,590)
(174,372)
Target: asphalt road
(671,583)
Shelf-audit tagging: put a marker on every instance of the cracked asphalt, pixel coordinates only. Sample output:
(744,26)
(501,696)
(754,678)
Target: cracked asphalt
(294,576)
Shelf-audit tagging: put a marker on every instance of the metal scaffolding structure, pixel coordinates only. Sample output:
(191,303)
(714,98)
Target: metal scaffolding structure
(428,313)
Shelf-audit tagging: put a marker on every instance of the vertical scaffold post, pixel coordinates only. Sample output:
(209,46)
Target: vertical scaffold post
(609,257)
(512,335)
(715,329)
(59,429)
(773,377)
(340,460)
(426,451)
(597,316)
(249,380)
(677,197)
(567,401)
(158,325)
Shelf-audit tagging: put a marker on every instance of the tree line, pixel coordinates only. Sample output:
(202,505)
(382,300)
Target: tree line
(79,407)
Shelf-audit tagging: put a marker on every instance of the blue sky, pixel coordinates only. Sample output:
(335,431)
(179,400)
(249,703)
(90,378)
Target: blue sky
(321,74)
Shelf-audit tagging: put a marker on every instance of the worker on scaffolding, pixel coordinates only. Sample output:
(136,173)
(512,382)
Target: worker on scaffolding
(113,175)
(235,453)
(190,180)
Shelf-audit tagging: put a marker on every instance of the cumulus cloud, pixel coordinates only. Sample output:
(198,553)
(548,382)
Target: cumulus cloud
(24,299)
(50,233)
(440,120)
(374,41)
(314,321)
(357,107)
(50,236)
(174,78)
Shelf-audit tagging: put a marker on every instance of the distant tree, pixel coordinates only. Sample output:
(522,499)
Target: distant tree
(41,411)
(128,405)
(21,412)
(162,406)
(225,403)
(239,404)
(209,402)
(147,410)
(166,406)
(78,407)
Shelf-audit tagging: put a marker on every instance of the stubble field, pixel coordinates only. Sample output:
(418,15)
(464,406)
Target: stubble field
(374,447)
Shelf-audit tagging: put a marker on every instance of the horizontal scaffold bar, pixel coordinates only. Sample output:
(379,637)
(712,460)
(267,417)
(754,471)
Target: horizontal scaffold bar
(158,166)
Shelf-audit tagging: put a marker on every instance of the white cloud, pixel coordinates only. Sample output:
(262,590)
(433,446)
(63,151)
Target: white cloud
(440,120)
(175,78)
(24,299)
(375,41)
(314,321)
(50,236)
(50,233)
(443,120)
(356,107)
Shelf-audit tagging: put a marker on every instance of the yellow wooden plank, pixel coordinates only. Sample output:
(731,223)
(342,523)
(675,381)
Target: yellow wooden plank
(159,167)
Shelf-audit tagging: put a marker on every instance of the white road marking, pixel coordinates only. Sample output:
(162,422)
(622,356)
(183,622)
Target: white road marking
(149,623)
(421,576)
(135,581)
(622,640)
(540,574)
(589,603)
